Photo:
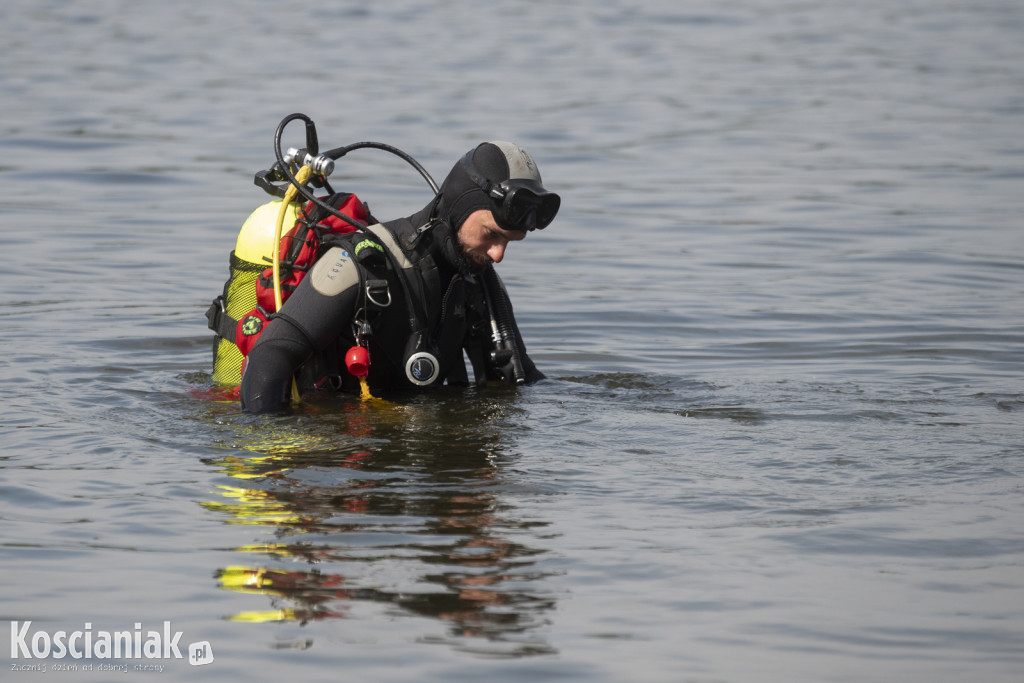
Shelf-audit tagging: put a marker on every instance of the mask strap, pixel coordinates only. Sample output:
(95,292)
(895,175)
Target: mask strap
(492,189)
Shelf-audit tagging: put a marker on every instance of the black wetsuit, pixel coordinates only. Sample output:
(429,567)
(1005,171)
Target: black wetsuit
(309,336)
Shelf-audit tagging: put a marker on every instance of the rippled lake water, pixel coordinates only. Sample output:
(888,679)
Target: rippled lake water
(780,311)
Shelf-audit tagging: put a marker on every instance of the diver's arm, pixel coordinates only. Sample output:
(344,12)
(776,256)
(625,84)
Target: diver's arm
(318,311)
(530,371)
(507,371)
(529,367)
(266,380)
(503,315)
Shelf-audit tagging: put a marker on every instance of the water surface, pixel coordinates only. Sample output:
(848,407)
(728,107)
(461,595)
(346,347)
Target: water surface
(780,313)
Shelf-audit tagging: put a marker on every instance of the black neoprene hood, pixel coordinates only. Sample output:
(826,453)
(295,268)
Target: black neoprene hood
(489,163)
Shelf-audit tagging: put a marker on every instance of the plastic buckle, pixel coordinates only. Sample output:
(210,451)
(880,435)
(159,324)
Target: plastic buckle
(214,312)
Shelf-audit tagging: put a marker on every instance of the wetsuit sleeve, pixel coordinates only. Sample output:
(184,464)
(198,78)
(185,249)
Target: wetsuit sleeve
(320,309)
(529,367)
(504,312)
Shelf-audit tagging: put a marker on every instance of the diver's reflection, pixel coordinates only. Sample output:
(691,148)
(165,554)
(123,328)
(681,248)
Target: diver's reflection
(419,490)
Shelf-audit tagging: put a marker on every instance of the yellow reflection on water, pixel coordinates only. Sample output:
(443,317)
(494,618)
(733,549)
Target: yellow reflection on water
(417,498)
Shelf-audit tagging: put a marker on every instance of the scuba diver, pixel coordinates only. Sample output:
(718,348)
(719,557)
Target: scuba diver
(399,303)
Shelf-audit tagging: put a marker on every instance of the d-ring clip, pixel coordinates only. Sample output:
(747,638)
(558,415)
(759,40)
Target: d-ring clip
(375,289)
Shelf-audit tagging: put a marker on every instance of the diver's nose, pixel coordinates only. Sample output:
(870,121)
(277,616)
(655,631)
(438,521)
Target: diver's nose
(496,252)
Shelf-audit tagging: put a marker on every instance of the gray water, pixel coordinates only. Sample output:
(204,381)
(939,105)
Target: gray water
(782,438)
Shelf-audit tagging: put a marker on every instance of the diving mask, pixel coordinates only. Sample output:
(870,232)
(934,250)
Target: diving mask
(521,203)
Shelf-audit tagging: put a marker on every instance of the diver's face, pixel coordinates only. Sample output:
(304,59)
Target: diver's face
(482,241)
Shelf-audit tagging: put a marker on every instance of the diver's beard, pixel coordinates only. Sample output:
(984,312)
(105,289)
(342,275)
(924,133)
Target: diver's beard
(467,264)
(453,251)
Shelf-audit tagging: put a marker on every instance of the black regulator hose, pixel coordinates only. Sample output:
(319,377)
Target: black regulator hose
(312,146)
(339,152)
(502,319)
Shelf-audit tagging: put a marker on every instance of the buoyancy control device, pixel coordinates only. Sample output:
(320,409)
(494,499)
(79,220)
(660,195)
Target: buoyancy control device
(268,263)
(255,289)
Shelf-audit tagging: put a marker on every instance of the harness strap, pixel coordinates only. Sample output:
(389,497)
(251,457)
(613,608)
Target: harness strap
(403,268)
(219,321)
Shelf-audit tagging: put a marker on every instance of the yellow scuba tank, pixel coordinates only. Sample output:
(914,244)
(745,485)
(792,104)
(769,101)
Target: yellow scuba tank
(255,242)
(254,251)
